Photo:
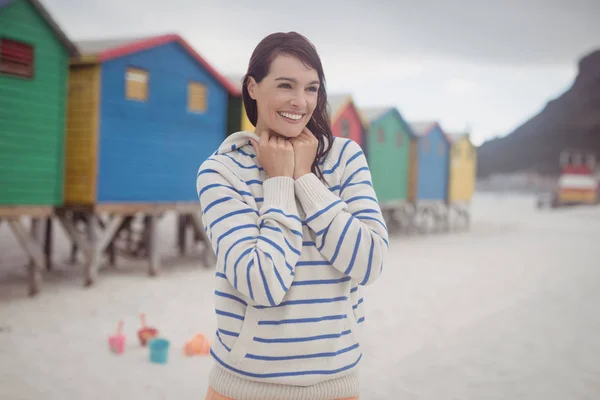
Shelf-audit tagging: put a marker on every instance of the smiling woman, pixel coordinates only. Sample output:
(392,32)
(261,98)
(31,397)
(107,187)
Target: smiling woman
(296,226)
(285,103)
(285,86)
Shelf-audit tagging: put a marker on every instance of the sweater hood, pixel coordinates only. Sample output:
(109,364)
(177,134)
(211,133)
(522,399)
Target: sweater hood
(236,141)
(240,139)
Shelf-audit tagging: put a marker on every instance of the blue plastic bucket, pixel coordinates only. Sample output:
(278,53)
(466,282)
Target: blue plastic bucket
(159,350)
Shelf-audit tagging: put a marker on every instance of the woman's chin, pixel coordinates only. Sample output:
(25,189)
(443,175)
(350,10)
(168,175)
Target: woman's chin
(289,131)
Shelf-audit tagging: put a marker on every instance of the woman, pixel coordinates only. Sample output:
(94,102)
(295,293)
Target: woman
(294,221)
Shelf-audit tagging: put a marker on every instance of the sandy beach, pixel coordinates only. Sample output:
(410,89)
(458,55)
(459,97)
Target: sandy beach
(507,310)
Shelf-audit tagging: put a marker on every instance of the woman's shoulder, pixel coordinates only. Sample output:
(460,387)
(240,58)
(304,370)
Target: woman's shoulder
(240,163)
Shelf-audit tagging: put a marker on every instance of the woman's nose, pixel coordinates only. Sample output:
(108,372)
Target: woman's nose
(299,100)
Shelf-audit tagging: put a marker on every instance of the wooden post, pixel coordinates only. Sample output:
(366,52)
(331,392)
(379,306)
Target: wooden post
(92,265)
(77,217)
(152,244)
(35,269)
(111,250)
(48,244)
(34,251)
(36,235)
(94,242)
(208,255)
(112,254)
(182,224)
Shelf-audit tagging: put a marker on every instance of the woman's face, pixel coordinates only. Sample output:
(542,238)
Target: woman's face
(286,98)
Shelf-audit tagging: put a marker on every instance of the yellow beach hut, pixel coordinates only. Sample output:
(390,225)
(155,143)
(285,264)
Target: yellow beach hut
(463,176)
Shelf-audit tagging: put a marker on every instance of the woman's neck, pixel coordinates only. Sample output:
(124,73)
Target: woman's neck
(262,127)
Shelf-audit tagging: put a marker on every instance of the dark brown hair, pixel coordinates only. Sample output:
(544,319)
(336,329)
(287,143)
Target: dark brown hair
(292,44)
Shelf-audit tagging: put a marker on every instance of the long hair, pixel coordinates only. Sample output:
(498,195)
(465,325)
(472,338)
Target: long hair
(296,45)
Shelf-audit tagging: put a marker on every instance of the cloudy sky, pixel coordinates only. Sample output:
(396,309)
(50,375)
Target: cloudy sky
(487,65)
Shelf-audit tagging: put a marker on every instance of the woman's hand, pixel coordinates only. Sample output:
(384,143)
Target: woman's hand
(305,151)
(275,154)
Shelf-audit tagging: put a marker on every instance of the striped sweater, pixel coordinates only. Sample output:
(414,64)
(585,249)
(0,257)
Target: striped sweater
(291,257)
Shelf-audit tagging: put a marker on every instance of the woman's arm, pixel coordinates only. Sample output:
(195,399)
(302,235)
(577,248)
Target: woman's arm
(256,250)
(351,231)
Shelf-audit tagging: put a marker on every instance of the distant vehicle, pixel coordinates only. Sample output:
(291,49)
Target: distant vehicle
(577,183)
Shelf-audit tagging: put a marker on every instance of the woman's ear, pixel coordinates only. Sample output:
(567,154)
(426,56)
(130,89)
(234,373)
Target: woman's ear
(252,86)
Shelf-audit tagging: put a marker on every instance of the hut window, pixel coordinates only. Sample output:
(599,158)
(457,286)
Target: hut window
(441,149)
(345,128)
(136,87)
(426,144)
(16,58)
(456,152)
(197,97)
(381,135)
(399,139)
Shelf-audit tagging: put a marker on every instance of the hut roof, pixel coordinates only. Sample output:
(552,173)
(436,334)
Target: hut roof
(371,114)
(455,136)
(423,128)
(72,50)
(337,101)
(108,49)
(236,80)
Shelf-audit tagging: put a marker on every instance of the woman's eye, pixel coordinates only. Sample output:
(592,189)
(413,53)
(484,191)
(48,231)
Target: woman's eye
(313,89)
(285,85)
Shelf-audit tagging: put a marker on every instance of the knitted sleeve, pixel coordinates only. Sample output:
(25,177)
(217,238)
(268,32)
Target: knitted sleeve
(256,250)
(351,231)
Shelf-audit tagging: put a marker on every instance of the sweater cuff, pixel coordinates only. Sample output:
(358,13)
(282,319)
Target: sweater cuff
(279,193)
(313,194)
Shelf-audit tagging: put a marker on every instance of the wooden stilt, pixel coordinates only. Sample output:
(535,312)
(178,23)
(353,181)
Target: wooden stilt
(93,264)
(93,243)
(112,255)
(48,243)
(152,244)
(110,231)
(34,251)
(208,255)
(35,233)
(182,224)
(77,219)
(120,232)
(34,268)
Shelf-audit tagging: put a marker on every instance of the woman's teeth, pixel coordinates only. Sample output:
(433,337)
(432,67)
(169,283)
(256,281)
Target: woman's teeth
(291,116)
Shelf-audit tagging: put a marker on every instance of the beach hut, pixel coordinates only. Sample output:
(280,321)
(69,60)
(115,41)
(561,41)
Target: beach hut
(463,168)
(345,118)
(34,63)
(142,115)
(429,172)
(463,171)
(388,141)
(238,120)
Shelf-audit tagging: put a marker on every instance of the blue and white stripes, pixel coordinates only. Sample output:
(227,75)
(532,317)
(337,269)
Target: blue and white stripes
(256,249)
(291,257)
(351,232)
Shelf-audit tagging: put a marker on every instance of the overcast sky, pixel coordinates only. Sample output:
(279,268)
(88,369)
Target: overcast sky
(488,65)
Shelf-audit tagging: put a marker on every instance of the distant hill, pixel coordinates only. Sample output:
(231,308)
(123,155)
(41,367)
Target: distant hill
(569,121)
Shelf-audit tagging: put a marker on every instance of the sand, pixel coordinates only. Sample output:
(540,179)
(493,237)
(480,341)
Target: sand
(508,310)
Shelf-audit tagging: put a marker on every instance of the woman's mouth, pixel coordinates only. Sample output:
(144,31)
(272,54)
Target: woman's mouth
(292,117)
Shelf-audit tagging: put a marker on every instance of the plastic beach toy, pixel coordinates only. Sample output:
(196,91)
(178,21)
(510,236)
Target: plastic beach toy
(199,344)
(146,333)
(117,342)
(159,350)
